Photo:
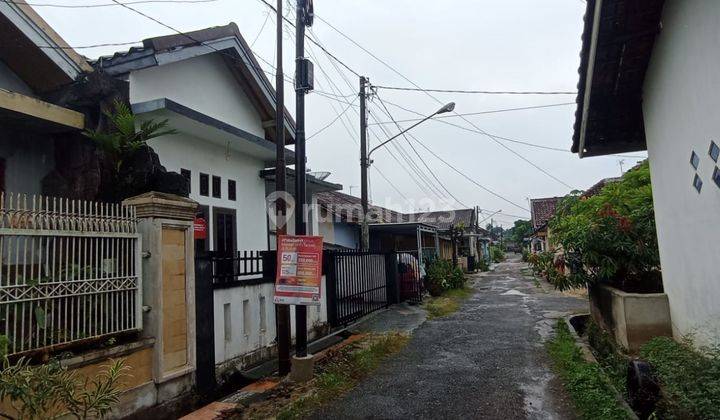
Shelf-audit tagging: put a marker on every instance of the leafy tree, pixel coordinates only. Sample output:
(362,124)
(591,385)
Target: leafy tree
(124,137)
(520,230)
(610,237)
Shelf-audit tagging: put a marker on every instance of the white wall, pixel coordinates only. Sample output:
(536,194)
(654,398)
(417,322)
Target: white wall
(204,84)
(681,104)
(232,339)
(180,151)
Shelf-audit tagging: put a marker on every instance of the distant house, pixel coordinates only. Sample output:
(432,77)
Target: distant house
(649,81)
(541,211)
(471,246)
(598,186)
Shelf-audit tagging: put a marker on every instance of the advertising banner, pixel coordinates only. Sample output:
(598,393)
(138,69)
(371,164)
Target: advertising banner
(299,270)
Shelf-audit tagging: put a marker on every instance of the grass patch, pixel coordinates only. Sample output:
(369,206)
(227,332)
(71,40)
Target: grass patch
(613,361)
(690,378)
(346,368)
(589,388)
(447,303)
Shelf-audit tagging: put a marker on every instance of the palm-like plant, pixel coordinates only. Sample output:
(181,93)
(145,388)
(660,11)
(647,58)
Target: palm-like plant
(124,136)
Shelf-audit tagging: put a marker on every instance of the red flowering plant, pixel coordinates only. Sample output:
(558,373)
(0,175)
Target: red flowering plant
(610,237)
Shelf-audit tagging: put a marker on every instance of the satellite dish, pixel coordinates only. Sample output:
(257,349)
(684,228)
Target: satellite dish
(322,175)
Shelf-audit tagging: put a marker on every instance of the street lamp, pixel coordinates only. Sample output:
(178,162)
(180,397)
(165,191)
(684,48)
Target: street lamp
(446,108)
(365,163)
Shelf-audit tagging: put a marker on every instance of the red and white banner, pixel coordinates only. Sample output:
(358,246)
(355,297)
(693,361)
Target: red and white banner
(299,270)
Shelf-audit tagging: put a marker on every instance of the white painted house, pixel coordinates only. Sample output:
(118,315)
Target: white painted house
(211,89)
(649,81)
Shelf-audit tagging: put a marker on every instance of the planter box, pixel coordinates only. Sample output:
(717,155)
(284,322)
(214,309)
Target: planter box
(632,318)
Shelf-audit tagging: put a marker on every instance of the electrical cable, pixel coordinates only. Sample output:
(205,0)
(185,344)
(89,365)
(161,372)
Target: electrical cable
(438,101)
(92,6)
(494,111)
(387,111)
(484,92)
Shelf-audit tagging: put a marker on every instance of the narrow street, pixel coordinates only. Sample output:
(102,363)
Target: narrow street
(485,361)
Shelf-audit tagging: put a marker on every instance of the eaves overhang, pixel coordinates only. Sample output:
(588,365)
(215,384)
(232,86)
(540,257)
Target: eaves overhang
(189,121)
(617,42)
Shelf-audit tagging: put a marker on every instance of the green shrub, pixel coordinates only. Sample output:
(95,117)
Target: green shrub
(610,237)
(586,383)
(483,265)
(437,277)
(497,254)
(690,379)
(525,255)
(457,278)
(41,391)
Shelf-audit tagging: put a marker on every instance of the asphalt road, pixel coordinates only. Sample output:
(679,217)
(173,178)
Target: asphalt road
(485,361)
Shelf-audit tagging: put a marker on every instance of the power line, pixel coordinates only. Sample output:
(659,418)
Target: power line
(494,111)
(387,111)
(313,41)
(525,143)
(391,184)
(330,123)
(92,6)
(484,92)
(381,61)
(262,28)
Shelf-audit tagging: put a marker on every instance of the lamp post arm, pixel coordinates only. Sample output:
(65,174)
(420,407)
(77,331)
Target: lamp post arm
(397,135)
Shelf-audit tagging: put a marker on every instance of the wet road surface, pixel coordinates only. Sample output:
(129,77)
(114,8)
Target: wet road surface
(485,361)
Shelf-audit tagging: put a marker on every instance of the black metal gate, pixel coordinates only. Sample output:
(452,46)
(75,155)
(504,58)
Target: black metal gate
(357,284)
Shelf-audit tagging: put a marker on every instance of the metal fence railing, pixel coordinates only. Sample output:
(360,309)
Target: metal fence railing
(69,271)
(356,284)
(230,269)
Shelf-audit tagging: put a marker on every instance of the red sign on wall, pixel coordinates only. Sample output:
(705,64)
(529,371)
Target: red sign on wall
(200,228)
(299,270)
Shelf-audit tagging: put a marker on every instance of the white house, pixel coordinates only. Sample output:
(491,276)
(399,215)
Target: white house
(648,81)
(211,89)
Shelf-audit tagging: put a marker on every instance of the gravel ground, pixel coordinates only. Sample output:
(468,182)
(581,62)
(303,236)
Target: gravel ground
(485,361)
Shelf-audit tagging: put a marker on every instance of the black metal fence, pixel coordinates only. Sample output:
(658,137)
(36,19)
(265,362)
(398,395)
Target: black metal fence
(241,267)
(357,284)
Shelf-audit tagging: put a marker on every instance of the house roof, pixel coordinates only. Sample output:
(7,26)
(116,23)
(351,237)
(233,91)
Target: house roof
(443,220)
(595,189)
(34,51)
(225,40)
(348,208)
(320,185)
(542,210)
(617,42)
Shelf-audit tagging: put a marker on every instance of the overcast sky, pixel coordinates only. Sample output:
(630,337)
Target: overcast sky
(518,45)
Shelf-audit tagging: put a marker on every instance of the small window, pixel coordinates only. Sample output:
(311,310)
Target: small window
(216,187)
(188,176)
(697,183)
(716,176)
(694,160)
(204,184)
(714,151)
(232,191)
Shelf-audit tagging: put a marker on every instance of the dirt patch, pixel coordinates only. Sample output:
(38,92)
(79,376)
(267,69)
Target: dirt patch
(338,370)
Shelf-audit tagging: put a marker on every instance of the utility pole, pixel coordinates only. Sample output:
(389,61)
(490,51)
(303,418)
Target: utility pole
(282,312)
(364,164)
(303,84)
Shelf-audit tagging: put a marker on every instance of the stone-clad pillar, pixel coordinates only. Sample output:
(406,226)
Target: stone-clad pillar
(168,269)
